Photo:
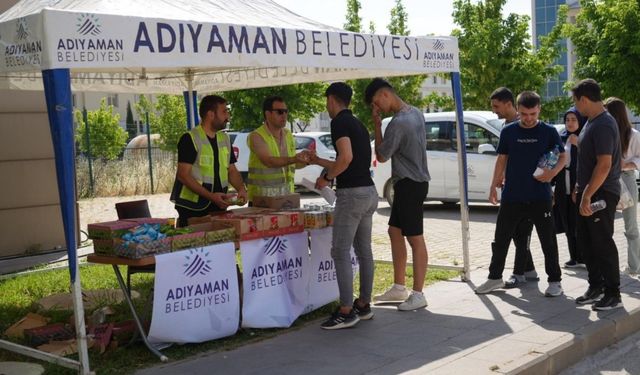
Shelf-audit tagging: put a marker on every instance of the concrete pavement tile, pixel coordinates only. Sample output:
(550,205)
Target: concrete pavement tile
(540,335)
(563,352)
(597,335)
(533,363)
(464,365)
(503,350)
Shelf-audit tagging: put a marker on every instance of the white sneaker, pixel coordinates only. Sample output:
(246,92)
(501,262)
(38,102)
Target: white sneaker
(489,286)
(554,289)
(531,275)
(414,301)
(394,294)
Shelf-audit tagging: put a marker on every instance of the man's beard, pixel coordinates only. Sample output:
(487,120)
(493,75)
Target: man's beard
(219,126)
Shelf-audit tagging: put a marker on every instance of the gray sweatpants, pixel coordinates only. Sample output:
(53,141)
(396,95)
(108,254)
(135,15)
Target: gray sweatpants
(352,226)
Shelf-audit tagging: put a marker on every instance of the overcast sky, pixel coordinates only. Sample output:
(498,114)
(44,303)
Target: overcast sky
(425,16)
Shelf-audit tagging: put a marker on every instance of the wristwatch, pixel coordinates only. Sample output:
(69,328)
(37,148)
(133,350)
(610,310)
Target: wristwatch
(325,176)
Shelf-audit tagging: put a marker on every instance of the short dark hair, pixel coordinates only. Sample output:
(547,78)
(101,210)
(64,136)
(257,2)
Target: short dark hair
(373,87)
(341,91)
(210,103)
(528,99)
(267,104)
(589,88)
(503,94)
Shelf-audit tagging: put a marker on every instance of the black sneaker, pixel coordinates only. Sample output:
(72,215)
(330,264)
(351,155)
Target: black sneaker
(608,302)
(364,313)
(590,296)
(339,320)
(571,264)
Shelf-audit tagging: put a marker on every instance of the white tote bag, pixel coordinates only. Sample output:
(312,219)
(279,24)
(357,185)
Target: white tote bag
(626,200)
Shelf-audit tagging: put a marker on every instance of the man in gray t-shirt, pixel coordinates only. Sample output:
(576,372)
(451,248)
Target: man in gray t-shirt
(599,169)
(404,142)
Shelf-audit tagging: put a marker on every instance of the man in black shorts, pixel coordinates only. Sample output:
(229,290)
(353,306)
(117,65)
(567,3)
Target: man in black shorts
(405,143)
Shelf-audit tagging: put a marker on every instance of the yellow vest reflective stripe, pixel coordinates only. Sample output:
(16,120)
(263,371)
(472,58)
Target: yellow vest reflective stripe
(261,178)
(202,169)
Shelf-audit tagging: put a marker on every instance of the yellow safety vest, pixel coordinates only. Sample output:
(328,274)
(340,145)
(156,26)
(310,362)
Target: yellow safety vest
(203,170)
(261,178)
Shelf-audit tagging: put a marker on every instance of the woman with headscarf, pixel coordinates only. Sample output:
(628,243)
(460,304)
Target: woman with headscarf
(630,142)
(565,210)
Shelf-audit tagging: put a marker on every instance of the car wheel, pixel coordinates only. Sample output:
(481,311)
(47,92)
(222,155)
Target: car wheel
(388,192)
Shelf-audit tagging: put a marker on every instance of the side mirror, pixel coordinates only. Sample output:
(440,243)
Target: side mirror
(487,149)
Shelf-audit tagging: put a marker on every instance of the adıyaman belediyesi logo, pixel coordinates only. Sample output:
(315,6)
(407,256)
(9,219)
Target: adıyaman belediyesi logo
(198,262)
(274,245)
(88,24)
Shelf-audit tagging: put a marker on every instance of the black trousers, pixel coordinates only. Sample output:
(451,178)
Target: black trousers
(595,238)
(523,261)
(509,217)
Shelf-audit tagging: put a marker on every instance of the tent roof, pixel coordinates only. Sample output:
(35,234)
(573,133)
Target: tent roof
(241,12)
(153,46)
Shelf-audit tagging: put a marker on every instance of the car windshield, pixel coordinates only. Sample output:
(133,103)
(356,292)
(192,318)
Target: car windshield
(326,141)
(496,124)
(303,142)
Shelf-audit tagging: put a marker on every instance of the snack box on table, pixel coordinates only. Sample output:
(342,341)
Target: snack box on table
(187,240)
(215,232)
(109,230)
(135,250)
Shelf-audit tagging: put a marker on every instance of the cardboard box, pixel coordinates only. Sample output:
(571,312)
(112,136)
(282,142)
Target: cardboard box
(141,250)
(104,247)
(109,229)
(215,232)
(293,218)
(187,240)
(242,225)
(278,203)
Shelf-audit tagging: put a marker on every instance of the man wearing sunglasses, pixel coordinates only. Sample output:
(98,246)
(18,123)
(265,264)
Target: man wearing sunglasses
(273,158)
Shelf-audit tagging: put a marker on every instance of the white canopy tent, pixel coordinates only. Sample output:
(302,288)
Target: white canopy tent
(178,46)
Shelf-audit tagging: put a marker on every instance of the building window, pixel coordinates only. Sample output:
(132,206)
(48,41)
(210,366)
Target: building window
(112,99)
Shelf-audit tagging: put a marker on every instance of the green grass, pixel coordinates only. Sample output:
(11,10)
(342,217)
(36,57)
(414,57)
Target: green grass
(19,295)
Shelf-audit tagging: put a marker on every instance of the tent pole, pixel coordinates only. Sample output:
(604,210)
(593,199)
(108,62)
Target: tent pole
(57,90)
(462,173)
(190,99)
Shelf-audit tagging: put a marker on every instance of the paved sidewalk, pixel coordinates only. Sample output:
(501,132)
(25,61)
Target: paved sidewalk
(517,331)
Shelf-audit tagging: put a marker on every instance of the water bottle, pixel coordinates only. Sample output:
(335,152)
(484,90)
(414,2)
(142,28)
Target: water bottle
(552,158)
(598,205)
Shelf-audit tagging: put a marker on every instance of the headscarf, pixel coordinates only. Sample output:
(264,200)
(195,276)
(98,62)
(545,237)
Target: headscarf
(581,121)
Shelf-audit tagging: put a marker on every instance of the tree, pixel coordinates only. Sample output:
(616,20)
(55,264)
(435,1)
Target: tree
(408,87)
(170,121)
(441,101)
(606,37)
(553,109)
(132,128)
(496,51)
(106,137)
(144,106)
(303,100)
(358,106)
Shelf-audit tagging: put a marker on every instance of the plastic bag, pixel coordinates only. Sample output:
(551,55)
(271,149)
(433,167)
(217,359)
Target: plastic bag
(626,200)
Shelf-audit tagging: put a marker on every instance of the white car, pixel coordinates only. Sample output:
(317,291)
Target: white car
(241,151)
(482,132)
(320,142)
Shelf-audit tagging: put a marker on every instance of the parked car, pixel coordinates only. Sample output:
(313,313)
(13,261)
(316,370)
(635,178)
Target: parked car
(241,151)
(482,132)
(320,142)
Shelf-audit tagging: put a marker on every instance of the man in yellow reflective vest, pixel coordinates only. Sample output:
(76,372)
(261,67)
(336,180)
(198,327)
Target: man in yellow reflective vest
(273,158)
(206,165)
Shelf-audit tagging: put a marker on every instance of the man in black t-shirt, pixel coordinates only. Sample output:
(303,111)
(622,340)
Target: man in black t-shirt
(599,168)
(356,202)
(206,165)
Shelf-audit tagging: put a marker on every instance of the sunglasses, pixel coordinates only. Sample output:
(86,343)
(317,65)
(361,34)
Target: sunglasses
(280,111)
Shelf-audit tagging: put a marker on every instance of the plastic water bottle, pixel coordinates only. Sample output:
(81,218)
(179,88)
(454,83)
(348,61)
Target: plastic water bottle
(598,205)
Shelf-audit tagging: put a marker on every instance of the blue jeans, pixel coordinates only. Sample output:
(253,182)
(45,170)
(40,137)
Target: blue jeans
(352,226)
